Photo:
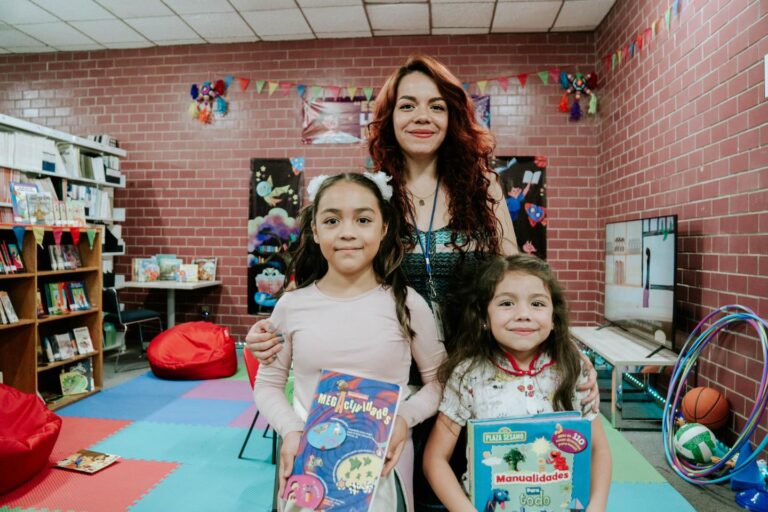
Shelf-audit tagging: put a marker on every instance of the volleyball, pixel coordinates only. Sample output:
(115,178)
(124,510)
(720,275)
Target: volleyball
(707,406)
(695,442)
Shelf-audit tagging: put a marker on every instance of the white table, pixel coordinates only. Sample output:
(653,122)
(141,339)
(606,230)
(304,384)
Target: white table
(625,355)
(171,287)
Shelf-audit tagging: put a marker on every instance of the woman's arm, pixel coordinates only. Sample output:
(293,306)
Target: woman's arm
(437,469)
(263,341)
(601,468)
(588,386)
(506,228)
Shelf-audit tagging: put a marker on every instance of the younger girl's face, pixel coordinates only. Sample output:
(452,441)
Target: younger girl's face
(349,228)
(520,315)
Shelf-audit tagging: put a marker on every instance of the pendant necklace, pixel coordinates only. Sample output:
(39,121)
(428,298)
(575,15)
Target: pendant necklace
(421,199)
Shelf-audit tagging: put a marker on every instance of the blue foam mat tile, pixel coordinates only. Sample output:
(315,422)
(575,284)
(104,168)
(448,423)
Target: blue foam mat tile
(636,497)
(198,488)
(148,384)
(193,444)
(198,411)
(112,406)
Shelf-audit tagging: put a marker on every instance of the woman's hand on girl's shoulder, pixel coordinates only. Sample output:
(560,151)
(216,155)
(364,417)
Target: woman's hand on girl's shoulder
(263,342)
(590,385)
(396,445)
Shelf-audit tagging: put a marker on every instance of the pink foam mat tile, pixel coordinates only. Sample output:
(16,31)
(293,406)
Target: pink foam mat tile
(116,487)
(222,390)
(245,419)
(77,433)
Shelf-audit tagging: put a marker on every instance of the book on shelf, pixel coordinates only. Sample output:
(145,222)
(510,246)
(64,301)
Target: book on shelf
(206,268)
(15,255)
(75,212)
(83,340)
(3,317)
(87,461)
(342,449)
(47,347)
(71,255)
(77,378)
(7,306)
(7,265)
(58,262)
(540,462)
(40,208)
(56,299)
(19,192)
(78,298)
(145,270)
(41,312)
(66,345)
(188,273)
(169,266)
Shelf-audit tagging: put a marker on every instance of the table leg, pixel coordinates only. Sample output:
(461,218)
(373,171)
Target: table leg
(171,308)
(614,388)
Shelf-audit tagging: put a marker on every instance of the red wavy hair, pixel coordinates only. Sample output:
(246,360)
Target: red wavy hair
(462,159)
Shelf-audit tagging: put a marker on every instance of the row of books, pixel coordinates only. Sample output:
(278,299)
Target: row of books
(77,164)
(31,205)
(29,152)
(64,257)
(74,379)
(65,345)
(167,267)
(61,297)
(7,313)
(98,202)
(10,258)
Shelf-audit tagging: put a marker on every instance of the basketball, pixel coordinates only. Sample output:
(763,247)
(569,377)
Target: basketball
(695,442)
(707,406)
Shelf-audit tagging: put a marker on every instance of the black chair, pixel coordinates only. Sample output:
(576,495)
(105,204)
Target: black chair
(122,319)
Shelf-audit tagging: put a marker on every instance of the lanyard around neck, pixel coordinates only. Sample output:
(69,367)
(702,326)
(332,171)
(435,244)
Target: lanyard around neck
(426,250)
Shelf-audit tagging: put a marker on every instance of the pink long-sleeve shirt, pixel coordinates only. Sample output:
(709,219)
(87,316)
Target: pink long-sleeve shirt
(359,335)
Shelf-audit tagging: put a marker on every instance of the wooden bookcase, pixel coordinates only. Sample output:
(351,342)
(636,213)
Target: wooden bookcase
(19,341)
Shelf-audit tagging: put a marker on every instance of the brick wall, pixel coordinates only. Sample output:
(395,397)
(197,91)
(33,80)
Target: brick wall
(684,131)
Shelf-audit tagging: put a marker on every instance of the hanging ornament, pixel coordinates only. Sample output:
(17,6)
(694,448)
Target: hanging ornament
(207,100)
(578,85)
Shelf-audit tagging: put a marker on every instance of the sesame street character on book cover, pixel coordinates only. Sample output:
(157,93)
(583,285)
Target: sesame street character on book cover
(534,463)
(341,452)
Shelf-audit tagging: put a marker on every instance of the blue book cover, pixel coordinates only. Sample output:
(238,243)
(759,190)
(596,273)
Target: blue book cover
(341,452)
(533,463)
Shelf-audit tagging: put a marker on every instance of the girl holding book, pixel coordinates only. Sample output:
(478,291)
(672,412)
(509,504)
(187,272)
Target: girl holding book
(352,312)
(512,357)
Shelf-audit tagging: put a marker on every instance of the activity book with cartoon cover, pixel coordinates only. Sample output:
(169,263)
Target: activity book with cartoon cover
(87,461)
(341,452)
(540,462)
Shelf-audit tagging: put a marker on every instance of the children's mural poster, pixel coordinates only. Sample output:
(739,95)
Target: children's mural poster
(523,182)
(274,203)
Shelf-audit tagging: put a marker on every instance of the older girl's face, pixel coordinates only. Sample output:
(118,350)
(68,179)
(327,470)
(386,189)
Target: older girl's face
(421,116)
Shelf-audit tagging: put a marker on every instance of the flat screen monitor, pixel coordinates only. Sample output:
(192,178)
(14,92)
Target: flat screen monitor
(640,277)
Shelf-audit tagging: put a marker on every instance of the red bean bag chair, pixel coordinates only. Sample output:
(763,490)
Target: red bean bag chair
(28,431)
(193,351)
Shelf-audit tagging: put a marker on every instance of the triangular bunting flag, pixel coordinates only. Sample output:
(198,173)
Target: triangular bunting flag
(648,38)
(522,77)
(614,61)
(668,17)
(228,80)
(554,75)
(632,50)
(286,87)
(676,7)
(315,92)
(244,83)
(91,236)
(39,233)
(351,90)
(368,91)
(300,90)
(272,87)
(57,231)
(19,232)
(620,55)
(465,85)
(639,42)
(503,83)
(334,91)
(481,85)
(260,85)
(75,232)
(544,75)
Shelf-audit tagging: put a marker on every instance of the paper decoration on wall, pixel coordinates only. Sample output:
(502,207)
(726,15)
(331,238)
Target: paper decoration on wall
(483,110)
(332,122)
(274,203)
(208,100)
(578,85)
(523,184)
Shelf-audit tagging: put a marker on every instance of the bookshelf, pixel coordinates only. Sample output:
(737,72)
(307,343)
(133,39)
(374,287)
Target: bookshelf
(19,361)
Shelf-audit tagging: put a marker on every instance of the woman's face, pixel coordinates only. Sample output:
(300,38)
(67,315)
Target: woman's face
(421,116)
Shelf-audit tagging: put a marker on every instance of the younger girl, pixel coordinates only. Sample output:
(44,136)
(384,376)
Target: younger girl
(353,313)
(512,357)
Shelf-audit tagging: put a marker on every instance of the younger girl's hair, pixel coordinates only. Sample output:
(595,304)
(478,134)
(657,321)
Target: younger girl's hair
(472,340)
(308,264)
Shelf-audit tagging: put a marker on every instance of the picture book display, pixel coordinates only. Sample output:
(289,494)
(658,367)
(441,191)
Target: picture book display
(77,378)
(540,462)
(342,449)
(83,340)
(87,461)
(206,268)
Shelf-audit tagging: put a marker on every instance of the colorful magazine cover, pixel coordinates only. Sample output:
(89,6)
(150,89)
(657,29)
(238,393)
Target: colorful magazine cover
(540,462)
(87,461)
(341,452)
(77,378)
(19,193)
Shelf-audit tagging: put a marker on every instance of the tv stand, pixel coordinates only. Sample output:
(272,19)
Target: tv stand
(655,351)
(611,324)
(626,356)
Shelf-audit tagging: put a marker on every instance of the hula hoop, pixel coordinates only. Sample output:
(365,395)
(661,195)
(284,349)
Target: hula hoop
(694,345)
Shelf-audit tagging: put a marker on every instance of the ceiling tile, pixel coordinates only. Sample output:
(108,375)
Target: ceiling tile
(23,11)
(288,37)
(582,14)
(459,31)
(342,35)
(199,6)
(79,47)
(75,10)
(33,49)
(136,8)
(177,42)
(433,2)
(10,37)
(55,34)
(328,3)
(525,16)
(131,44)
(396,1)
(162,28)
(108,31)
(405,18)
(397,32)
(469,15)
(262,5)
(221,24)
(280,21)
(337,19)
(232,39)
